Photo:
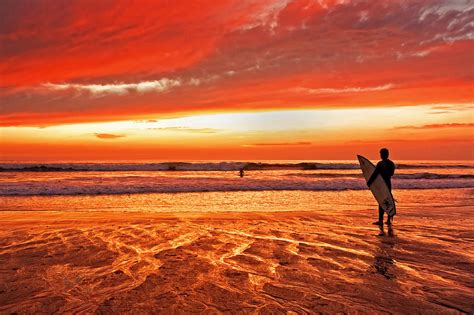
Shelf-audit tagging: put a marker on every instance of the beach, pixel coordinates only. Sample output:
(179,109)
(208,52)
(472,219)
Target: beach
(231,157)
(327,259)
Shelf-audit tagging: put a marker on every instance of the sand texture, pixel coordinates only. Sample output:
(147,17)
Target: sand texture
(274,263)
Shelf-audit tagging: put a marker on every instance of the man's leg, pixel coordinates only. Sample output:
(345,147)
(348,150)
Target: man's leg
(389,218)
(380,221)
(381,214)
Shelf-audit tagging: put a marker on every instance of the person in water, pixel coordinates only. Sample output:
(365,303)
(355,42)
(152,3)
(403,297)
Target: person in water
(386,169)
(241,172)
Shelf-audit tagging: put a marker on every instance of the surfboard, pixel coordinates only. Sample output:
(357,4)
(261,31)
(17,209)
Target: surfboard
(378,187)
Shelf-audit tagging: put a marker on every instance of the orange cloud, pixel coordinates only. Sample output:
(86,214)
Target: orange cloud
(119,60)
(108,136)
(438,126)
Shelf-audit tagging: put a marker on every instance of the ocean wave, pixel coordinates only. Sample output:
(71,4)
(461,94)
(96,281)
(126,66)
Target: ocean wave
(433,176)
(213,166)
(181,185)
(170,166)
(431,165)
(424,175)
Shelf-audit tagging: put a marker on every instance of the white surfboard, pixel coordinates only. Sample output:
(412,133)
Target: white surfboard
(378,187)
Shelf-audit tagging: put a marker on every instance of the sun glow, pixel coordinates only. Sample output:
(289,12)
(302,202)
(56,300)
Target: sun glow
(264,130)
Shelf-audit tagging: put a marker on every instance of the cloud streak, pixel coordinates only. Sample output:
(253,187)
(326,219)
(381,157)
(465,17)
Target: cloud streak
(344,90)
(439,126)
(108,136)
(158,86)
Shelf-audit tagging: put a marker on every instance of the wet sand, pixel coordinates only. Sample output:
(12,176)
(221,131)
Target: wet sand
(266,263)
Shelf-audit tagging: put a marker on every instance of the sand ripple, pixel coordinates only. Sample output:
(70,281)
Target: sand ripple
(237,263)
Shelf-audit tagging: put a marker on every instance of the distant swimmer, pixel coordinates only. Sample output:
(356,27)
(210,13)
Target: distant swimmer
(241,172)
(386,169)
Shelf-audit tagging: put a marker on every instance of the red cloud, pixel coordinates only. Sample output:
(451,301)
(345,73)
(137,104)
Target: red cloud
(115,60)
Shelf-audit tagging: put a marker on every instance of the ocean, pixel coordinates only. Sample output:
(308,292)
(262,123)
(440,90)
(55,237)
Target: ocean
(163,237)
(154,186)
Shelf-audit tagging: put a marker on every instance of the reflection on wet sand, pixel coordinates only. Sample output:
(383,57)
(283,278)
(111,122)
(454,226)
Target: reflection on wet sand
(232,262)
(383,261)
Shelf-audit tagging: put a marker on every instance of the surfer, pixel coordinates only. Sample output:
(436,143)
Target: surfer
(241,172)
(386,169)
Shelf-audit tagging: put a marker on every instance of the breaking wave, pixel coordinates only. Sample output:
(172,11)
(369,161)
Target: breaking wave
(158,184)
(215,166)
(396,176)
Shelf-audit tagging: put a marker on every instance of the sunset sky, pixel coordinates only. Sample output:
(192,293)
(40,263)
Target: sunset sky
(236,80)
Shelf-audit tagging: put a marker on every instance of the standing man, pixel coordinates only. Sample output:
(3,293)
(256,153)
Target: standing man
(386,169)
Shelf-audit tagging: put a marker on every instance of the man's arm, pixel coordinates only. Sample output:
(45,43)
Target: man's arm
(374,175)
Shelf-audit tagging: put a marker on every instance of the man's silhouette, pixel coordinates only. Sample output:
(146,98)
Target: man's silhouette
(386,169)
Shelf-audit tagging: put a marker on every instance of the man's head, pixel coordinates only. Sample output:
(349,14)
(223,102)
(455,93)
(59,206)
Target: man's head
(384,153)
